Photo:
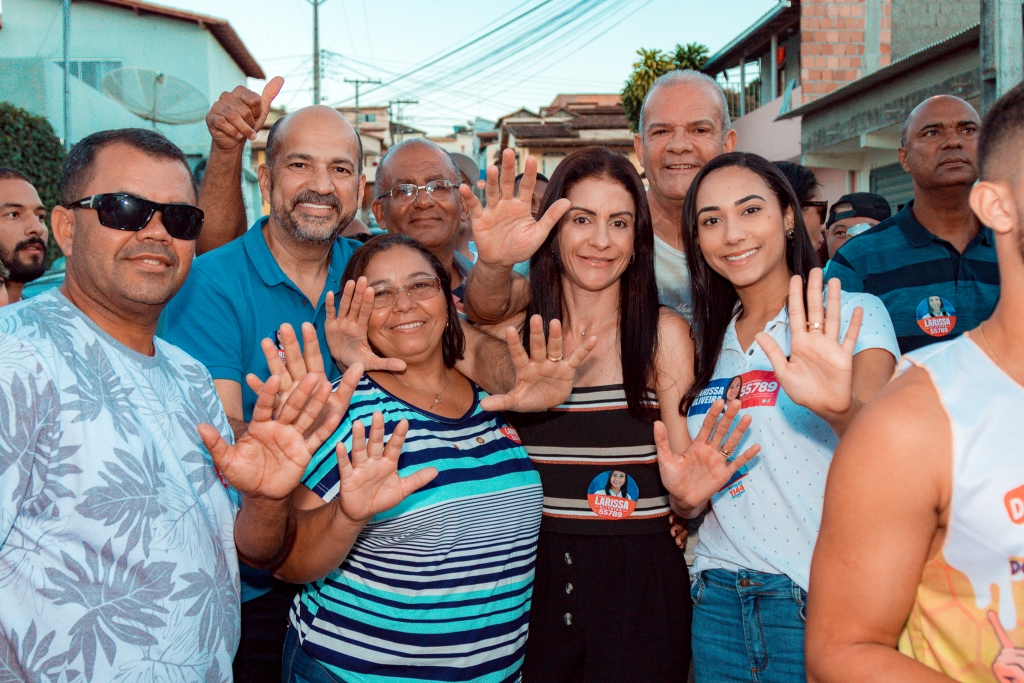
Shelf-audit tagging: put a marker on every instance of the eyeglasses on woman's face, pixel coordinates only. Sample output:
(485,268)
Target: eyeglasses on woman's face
(418,290)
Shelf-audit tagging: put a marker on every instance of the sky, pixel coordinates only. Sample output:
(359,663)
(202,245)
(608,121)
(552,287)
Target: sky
(562,46)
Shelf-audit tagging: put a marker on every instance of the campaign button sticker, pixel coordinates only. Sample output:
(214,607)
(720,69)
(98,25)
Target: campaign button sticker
(936,316)
(1014,502)
(613,495)
(511,434)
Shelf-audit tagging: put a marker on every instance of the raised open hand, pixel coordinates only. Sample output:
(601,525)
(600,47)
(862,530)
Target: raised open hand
(299,362)
(268,461)
(345,329)
(700,471)
(369,479)
(506,232)
(238,115)
(543,378)
(818,374)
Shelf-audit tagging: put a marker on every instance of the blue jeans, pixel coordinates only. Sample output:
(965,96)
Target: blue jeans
(298,667)
(747,626)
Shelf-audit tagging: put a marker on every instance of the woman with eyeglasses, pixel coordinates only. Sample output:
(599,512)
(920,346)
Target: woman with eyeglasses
(592,265)
(418,555)
(805,371)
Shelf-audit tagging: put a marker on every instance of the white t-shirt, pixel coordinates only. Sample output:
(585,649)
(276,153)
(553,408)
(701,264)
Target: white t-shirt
(767,517)
(673,278)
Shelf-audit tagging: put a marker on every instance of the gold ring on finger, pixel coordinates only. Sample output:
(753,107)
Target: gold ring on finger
(814,326)
(554,360)
(726,452)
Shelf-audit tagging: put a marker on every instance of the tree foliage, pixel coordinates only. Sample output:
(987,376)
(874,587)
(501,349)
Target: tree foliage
(28,144)
(653,64)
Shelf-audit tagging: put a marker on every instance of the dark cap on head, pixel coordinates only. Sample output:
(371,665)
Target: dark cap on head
(861,204)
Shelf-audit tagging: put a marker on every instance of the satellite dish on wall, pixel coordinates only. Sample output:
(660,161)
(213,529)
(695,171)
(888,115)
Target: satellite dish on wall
(155,96)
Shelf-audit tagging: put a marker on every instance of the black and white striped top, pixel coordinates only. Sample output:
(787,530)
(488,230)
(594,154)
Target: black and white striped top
(598,465)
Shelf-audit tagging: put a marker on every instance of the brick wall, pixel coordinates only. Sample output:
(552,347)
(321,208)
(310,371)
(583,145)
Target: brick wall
(837,43)
(919,23)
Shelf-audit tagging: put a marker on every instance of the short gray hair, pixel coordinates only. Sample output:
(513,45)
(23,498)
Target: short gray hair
(687,77)
(383,179)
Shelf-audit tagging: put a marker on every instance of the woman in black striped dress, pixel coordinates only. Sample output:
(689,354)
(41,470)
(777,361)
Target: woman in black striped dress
(611,598)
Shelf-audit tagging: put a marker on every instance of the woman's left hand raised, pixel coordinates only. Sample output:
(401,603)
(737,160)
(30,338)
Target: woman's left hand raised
(818,374)
(543,378)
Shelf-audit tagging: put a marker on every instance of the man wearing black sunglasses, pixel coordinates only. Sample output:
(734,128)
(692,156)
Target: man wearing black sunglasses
(114,446)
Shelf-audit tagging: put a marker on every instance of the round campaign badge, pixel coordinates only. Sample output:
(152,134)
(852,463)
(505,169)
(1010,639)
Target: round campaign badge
(613,495)
(510,433)
(936,316)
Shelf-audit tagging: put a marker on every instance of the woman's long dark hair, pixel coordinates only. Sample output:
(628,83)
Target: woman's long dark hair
(714,297)
(453,343)
(638,303)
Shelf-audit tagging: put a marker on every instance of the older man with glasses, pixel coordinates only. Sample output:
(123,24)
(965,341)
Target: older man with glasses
(418,195)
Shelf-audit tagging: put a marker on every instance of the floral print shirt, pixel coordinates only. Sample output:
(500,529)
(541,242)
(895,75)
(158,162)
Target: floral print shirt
(117,557)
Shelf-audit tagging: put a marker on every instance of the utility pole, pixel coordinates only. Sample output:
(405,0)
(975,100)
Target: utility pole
(316,49)
(67,76)
(357,82)
(398,115)
(1002,38)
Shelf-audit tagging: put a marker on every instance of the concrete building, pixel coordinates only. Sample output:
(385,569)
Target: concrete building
(570,122)
(828,83)
(201,50)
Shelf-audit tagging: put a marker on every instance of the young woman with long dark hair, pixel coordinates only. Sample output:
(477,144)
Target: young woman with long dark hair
(752,269)
(592,266)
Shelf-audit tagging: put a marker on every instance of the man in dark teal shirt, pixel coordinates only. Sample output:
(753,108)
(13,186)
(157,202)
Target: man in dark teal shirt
(932,264)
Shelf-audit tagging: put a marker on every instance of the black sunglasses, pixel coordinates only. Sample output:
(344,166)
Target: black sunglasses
(122,211)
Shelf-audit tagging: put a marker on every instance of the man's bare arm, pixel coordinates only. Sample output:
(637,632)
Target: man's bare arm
(487,361)
(234,118)
(220,198)
(230,394)
(494,293)
(877,533)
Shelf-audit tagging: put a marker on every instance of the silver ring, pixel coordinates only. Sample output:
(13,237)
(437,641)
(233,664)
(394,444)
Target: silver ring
(554,360)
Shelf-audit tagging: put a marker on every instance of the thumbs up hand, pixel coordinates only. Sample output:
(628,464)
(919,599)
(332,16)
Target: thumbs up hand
(238,115)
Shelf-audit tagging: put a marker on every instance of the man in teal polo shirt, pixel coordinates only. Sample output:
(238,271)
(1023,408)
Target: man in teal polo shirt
(279,271)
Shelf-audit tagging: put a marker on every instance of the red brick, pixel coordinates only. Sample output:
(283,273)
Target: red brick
(826,49)
(857,36)
(844,10)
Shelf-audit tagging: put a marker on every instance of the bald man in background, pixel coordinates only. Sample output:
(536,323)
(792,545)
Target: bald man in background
(932,264)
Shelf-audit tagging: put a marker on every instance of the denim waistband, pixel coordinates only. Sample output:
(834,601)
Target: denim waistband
(746,582)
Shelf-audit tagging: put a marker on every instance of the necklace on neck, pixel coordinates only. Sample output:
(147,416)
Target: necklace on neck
(437,396)
(992,352)
(583,333)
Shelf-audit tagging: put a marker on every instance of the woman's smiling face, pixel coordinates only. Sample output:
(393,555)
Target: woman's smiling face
(617,479)
(741,228)
(595,238)
(410,329)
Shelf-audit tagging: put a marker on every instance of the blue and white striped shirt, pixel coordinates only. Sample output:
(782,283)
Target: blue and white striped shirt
(439,587)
